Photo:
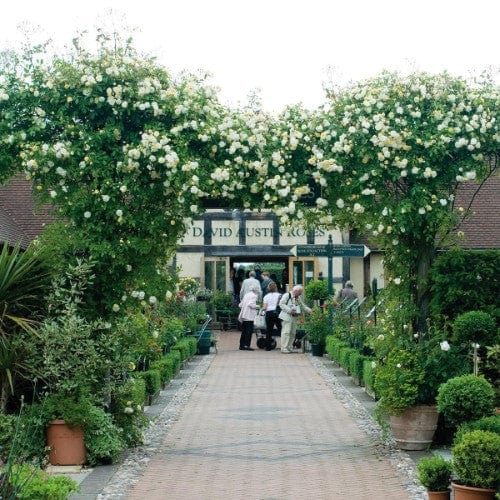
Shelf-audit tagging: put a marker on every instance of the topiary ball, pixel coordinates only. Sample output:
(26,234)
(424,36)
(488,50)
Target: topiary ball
(475,327)
(465,398)
(476,459)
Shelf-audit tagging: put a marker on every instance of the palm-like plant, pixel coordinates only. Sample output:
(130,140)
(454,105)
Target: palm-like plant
(23,283)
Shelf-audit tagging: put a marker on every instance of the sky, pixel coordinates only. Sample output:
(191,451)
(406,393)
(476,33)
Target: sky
(286,49)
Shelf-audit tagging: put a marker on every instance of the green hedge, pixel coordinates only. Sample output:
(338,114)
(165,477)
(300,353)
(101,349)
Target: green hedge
(345,355)
(165,366)
(356,360)
(175,356)
(369,374)
(335,347)
(152,379)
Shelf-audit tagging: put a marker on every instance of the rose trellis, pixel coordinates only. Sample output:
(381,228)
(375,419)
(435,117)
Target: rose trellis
(127,153)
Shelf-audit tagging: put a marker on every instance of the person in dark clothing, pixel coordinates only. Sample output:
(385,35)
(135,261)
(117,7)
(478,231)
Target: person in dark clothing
(266,281)
(270,306)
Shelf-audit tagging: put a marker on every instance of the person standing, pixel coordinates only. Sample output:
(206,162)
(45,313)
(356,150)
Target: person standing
(291,306)
(266,281)
(247,285)
(270,306)
(248,311)
(347,292)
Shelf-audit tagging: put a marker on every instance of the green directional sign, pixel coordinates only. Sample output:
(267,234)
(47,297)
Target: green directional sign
(330,250)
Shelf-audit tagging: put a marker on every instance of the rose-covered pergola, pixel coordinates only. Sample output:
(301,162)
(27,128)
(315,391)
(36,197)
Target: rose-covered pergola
(127,153)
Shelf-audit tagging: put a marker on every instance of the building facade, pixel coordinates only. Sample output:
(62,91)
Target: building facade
(221,240)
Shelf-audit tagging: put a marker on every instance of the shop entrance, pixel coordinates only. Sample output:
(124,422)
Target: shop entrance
(286,271)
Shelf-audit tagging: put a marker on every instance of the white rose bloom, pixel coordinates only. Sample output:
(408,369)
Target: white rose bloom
(53,194)
(153,300)
(141,295)
(105,198)
(444,345)
(87,214)
(116,307)
(321,202)
(119,213)
(421,211)
(123,189)
(129,268)
(397,281)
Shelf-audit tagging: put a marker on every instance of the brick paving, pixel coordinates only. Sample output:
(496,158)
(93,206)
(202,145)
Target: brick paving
(265,425)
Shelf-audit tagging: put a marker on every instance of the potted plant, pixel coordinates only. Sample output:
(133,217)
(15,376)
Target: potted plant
(434,473)
(476,465)
(407,379)
(317,327)
(464,399)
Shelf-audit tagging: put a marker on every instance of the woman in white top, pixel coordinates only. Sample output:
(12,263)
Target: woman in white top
(270,306)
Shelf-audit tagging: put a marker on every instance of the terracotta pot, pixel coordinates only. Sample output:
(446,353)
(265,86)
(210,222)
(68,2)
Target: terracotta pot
(439,495)
(461,492)
(67,446)
(414,429)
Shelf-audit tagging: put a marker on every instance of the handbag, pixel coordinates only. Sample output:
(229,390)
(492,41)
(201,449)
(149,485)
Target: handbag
(260,321)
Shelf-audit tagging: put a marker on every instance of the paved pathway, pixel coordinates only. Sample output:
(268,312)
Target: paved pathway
(266,425)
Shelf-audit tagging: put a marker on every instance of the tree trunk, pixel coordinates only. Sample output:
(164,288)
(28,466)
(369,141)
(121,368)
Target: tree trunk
(424,262)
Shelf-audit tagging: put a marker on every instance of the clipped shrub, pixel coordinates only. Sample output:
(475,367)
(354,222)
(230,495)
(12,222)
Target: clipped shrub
(152,379)
(434,473)
(475,327)
(345,354)
(184,346)
(369,373)
(356,360)
(336,346)
(165,366)
(175,356)
(316,290)
(465,398)
(491,424)
(476,459)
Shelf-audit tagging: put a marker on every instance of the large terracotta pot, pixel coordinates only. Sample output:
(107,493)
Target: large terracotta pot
(414,429)
(439,495)
(67,446)
(461,492)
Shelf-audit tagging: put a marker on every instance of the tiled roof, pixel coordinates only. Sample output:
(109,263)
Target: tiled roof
(482,228)
(20,221)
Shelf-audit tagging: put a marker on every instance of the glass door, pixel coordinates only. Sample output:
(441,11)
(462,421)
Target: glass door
(302,270)
(216,273)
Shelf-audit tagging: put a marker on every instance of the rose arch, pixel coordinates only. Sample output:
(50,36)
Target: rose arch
(128,153)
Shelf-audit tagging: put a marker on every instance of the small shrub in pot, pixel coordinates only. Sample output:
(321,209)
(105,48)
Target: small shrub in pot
(434,473)
(476,459)
(464,399)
